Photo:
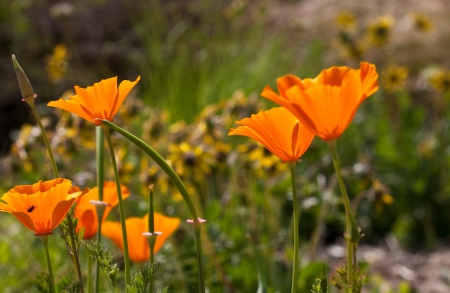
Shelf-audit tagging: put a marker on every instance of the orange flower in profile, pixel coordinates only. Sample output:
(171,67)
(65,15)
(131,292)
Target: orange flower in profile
(42,206)
(138,244)
(279,131)
(86,213)
(98,102)
(326,104)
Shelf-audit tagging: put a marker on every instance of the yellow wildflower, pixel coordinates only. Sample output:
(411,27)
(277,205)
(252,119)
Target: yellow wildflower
(421,22)
(394,78)
(57,65)
(379,31)
(346,21)
(440,81)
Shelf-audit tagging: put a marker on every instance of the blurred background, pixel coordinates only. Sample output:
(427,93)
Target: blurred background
(202,66)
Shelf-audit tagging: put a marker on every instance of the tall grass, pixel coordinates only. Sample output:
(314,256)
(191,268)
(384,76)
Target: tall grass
(195,56)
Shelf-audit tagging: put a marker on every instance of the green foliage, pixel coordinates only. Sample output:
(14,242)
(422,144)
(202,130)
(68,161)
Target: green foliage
(67,228)
(40,282)
(141,280)
(317,287)
(104,258)
(66,285)
(338,278)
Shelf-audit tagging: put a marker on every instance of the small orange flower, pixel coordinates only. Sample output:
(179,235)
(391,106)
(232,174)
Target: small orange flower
(279,131)
(87,213)
(98,102)
(42,206)
(326,104)
(138,245)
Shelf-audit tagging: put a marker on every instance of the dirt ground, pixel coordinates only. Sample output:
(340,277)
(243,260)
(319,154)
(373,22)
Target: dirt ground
(389,266)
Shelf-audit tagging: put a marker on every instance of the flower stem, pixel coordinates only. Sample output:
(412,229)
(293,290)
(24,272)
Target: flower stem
(178,183)
(152,238)
(348,215)
(52,288)
(30,101)
(89,273)
(75,250)
(100,178)
(296,216)
(121,209)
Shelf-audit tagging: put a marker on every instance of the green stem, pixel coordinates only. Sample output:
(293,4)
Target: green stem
(296,216)
(52,288)
(178,183)
(75,250)
(152,238)
(30,102)
(121,209)
(100,178)
(89,273)
(348,215)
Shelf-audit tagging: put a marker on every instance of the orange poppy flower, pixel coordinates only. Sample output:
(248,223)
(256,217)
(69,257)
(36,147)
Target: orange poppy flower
(138,244)
(86,213)
(42,206)
(279,131)
(98,102)
(326,104)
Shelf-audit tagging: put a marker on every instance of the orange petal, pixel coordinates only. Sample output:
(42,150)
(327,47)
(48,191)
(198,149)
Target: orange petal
(138,244)
(286,82)
(166,225)
(25,219)
(124,89)
(88,221)
(369,77)
(110,196)
(333,75)
(105,92)
(73,107)
(60,212)
(113,231)
(350,98)
(275,130)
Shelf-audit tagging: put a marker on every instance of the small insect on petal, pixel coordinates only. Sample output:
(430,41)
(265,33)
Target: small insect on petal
(31,208)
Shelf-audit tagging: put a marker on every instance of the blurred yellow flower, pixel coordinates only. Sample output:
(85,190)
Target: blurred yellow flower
(421,22)
(346,21)
(261,160)
(382,196)
(393,78)
(189,160)
(379,31)
(440,81)
(57,65)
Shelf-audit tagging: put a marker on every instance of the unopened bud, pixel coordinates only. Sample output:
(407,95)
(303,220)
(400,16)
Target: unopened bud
(24,84)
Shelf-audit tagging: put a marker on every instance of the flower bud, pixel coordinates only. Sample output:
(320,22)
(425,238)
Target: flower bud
(24,84)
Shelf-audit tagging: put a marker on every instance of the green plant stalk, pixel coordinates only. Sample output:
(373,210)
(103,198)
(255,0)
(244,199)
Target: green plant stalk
(348,215)
(89,273)
(100,178)
(296,216)
(30,101)
(262,280)
(121,209)
(75,250)
(52,288)
(151,229)
(178,183)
